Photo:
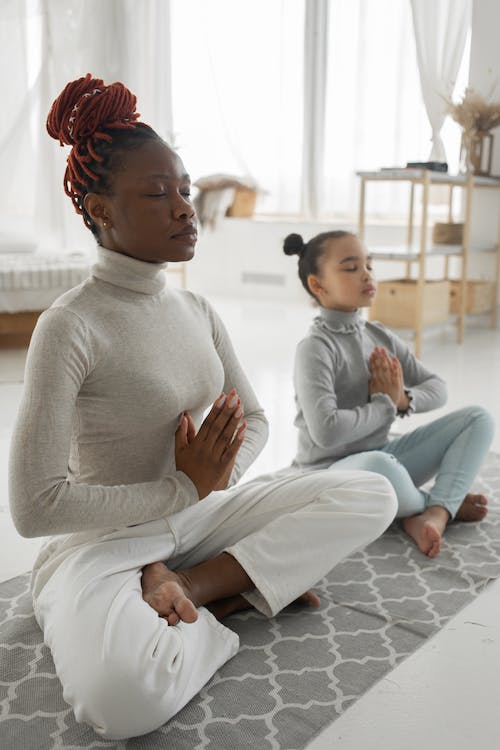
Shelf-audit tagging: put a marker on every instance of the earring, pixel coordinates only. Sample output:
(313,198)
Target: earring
(104,224)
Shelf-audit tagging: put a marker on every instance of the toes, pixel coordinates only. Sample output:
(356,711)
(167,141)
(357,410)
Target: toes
(432,541)
(185,609)
(172,618)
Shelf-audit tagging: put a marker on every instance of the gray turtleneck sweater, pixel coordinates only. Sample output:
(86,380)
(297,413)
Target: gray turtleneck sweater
(111,367)
(335,414)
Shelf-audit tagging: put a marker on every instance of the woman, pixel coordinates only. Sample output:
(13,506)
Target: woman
(112,455)
(353,378)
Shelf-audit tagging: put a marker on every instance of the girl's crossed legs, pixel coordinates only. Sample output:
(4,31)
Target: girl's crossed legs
(451,449)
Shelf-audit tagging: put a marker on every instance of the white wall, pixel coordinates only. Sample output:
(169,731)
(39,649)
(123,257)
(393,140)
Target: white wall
(244,257)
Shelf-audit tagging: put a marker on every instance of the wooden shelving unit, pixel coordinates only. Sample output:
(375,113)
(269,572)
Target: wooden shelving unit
(411,255)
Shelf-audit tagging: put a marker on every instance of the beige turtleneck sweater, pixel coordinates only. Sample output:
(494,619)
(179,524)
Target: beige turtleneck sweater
(111,367)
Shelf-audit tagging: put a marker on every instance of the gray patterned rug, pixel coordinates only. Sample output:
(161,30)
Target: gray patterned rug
(294,674)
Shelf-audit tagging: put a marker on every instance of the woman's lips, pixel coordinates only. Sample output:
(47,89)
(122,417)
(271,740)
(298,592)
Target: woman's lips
(189,234)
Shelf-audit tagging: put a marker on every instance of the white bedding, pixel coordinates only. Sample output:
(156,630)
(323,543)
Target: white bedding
(32,281)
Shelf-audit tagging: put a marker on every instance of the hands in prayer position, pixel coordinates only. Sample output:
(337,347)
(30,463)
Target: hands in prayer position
(208,456)
(387,377)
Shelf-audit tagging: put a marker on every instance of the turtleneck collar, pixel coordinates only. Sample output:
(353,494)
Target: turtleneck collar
(341,322)
(129,273)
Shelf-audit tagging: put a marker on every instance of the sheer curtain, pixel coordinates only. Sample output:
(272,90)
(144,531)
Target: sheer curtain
(17,152)
(237,73)
(241,88)
(440,35)
(375,116)
(47,43)
(315,87)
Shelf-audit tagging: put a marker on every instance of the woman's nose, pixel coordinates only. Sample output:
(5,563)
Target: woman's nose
(183,208)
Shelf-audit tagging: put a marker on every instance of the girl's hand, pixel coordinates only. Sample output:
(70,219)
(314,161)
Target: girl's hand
(386,375)
(403,401)
(208,457)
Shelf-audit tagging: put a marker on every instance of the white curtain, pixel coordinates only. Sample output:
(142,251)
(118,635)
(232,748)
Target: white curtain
(441,28)
(237,76)
(46,44)
(375,116)
(16,143)
(315,81)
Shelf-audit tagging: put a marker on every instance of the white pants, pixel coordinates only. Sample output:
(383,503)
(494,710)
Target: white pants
(123,669)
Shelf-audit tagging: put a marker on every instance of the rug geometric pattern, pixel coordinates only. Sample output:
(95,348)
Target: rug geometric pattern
(294,673)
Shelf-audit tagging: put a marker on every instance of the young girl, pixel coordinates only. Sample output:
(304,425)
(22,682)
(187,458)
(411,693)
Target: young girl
(353,379)
(114,459)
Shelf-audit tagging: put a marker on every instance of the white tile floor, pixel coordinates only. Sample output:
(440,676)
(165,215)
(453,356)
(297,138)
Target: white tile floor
(445,695)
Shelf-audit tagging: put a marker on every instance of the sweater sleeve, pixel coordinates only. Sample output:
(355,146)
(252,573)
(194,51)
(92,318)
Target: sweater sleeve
(43,500)
(425,390)
(340,431)
(234,377)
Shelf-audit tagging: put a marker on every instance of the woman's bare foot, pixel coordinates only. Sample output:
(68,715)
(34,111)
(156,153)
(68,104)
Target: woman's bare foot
(225,607)
(168,593)
(427,528)
(232,604)
(473,508)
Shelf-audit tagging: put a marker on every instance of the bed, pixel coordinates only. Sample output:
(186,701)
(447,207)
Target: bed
(29,282)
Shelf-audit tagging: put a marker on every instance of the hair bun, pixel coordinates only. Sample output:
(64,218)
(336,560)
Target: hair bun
(86,107)
(293,244)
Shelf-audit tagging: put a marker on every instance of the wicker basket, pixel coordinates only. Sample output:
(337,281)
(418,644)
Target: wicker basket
(243,204)
(447,233)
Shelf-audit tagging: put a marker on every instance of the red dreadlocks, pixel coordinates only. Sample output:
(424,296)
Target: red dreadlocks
(82,116)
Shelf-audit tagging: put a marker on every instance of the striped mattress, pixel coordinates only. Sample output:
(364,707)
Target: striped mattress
(32,281)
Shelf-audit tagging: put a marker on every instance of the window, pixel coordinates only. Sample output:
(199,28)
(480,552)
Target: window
(237,71)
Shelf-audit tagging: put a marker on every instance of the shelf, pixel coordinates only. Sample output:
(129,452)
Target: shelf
(417,248)
(403,253)
(435,178)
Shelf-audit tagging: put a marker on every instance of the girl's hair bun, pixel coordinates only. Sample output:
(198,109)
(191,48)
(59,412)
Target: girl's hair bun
(87,107)
(293,245)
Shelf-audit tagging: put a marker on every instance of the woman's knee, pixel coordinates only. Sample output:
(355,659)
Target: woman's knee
(367,493)
(119,701)
(387,500)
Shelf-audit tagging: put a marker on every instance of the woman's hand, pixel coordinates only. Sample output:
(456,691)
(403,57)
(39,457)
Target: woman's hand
(386,376)
(208,457)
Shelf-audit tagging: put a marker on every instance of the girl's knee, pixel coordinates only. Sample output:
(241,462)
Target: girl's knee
(381,463)
(482,415)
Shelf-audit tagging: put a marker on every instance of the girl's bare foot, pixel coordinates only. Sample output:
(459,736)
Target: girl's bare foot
(232,604)
(168,593)
(473,508)
(427,528)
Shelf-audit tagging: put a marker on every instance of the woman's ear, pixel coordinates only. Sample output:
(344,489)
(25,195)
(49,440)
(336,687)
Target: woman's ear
(98,209)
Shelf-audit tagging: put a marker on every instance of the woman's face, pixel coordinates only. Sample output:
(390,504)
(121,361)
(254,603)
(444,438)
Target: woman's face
(345,281)
(149,214)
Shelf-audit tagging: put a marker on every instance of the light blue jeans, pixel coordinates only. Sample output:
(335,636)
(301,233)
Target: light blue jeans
(451,449)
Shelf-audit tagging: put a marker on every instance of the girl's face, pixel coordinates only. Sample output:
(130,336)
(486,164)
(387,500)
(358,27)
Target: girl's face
(345,281)
(149,214)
